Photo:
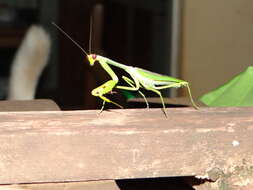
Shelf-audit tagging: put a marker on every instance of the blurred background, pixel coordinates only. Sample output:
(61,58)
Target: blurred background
(200,41)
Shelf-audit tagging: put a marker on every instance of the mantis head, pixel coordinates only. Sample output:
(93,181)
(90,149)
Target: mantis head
(92,58)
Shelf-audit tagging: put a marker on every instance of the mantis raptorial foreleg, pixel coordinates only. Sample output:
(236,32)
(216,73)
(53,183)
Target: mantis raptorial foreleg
(104,89)
(109,101)
(134,88)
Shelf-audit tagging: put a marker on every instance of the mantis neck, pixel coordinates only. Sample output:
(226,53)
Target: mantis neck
(114,63)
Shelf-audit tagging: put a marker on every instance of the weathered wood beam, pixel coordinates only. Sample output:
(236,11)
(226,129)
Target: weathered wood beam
(61,146)
(28,105)
(90,185)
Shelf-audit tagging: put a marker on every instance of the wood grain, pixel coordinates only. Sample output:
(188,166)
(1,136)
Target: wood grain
(65,146)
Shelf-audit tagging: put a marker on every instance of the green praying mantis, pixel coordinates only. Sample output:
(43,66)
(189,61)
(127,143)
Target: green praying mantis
(140,78)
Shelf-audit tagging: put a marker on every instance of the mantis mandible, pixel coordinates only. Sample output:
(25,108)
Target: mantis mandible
(141,78)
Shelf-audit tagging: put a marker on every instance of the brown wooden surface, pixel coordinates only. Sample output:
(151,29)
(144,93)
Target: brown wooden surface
(131,184)
(28,105)
(91,185)
(82,145)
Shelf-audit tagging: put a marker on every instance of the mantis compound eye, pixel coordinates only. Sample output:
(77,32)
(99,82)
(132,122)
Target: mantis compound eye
(94,56)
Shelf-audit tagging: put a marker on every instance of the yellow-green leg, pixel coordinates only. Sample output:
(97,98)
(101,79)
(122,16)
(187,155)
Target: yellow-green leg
(104,89)
(133,88)
(178,85)
(109,101)
(193,103)
(159,93)
(102,108)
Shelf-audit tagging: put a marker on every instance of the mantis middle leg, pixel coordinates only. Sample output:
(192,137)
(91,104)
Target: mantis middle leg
(132,88)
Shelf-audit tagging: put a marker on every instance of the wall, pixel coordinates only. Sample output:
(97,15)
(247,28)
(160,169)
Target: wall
(217,41)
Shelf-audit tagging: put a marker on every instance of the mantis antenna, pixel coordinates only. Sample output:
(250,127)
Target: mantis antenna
(78,45)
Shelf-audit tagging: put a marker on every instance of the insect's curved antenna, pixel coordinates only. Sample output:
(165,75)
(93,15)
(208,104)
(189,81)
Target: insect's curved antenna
(78,45)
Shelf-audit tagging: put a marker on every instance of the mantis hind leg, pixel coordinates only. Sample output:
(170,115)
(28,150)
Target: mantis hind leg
(131,83)
(189,91)
(178,85)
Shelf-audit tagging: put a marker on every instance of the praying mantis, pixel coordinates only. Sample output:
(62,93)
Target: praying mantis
(140,78)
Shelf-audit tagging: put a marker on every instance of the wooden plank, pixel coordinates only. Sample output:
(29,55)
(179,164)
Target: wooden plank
(91,185)
(28,105)
(132,184)
(66,146)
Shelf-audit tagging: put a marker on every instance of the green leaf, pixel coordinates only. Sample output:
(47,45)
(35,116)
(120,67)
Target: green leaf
(236,92)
